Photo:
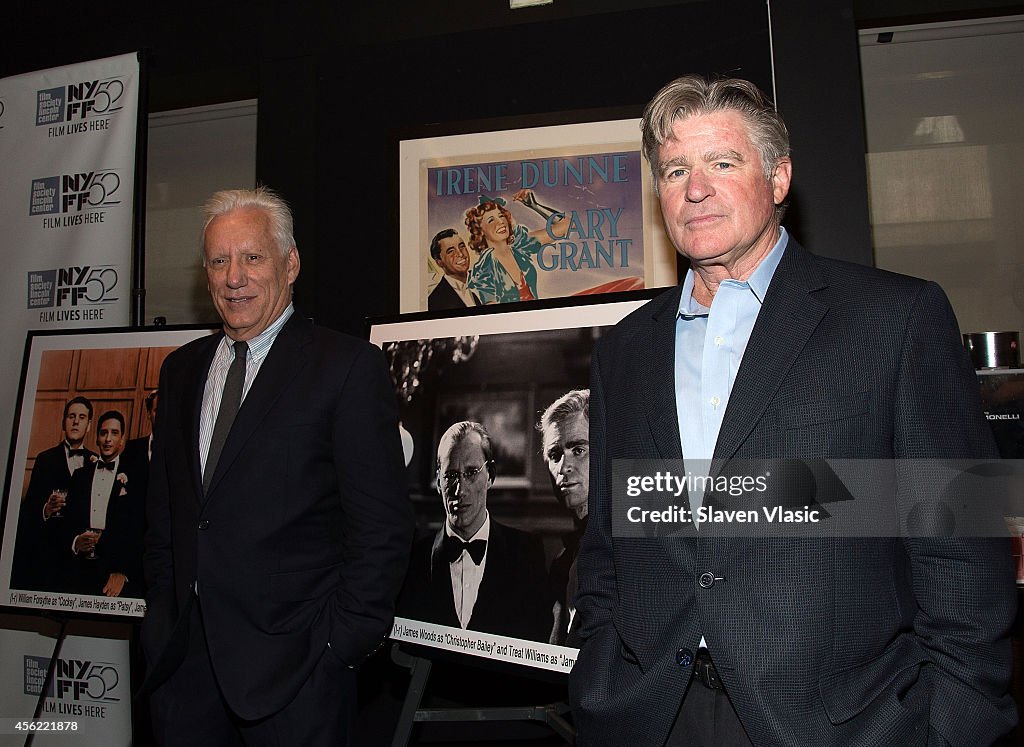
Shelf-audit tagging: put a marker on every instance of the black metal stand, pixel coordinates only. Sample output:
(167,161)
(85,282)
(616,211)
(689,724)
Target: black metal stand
(41,701)
(419,668)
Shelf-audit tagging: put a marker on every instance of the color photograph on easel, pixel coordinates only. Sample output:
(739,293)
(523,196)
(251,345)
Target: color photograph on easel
(74,513)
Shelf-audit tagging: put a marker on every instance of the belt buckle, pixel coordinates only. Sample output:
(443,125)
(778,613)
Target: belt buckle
(704,670)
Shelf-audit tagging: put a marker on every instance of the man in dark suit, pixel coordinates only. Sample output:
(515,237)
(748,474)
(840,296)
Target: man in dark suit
(139,451)
(278,536)
(101,536)
(448,249)
(565,429)
(768,352)
(476,573)
(35,558)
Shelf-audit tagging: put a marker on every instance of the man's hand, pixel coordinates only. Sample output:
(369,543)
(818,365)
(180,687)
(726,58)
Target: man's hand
(86,541)
(115,584)
(55,503)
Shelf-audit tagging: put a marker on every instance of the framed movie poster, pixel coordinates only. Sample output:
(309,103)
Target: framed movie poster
(481,464)
(74,500)
(531,213)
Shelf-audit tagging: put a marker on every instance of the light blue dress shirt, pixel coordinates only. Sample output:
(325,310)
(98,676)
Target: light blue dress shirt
(710,343)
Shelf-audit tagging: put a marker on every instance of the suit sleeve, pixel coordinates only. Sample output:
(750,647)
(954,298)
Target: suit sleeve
(964,586)
(378,516)
(597,594)
(157,558)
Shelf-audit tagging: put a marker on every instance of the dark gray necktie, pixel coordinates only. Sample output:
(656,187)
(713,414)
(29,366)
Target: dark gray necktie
(229,403)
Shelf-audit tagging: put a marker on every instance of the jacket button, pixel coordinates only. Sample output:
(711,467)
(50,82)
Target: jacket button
(706,580)
(204,524)
(684,657)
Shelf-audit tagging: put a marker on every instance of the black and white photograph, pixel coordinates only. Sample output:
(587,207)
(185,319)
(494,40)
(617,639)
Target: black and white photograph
(494,415)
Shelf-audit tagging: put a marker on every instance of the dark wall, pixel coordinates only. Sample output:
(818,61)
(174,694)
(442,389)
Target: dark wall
(338,83)
(602,66)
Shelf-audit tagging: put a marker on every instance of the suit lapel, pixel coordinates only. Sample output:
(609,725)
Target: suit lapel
(286,358)
(659,390)
(786,321)
(441,578)
(195,387)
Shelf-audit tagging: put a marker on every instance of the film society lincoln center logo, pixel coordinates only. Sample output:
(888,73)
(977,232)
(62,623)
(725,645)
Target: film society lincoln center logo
(79,687)
(79,108)
(73,293)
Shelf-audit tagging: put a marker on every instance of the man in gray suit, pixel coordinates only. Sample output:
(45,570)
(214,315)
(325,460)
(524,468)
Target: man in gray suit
(764,352)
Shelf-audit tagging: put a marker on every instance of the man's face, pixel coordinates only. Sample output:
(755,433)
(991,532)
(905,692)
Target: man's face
(454,258)
(76,425)
(464,497)
(718,206)
(567,455)
(109,438)
(248,277)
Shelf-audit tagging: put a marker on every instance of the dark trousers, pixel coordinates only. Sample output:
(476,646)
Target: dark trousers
(189,709)
(707,719)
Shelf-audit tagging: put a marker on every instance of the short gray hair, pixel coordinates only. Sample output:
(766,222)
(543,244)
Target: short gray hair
(692,95)
(570,403)
(262,198)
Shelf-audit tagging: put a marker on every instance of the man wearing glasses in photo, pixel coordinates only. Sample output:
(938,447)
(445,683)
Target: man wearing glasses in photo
(476,573)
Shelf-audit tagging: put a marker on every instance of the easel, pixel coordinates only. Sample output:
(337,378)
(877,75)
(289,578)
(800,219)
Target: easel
(50,670)
(419,669)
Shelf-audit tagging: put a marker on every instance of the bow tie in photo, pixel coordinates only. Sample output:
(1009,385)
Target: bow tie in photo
(76,452)
(453,547)
(105,465)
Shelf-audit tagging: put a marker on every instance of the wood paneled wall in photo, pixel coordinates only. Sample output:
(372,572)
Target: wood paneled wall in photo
(112,379)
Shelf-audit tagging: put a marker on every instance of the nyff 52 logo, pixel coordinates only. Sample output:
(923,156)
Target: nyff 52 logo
(75,679)
(72,286)
(74,192)
(78,101)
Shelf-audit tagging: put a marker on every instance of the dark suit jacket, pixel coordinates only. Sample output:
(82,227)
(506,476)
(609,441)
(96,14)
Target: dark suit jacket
(136,454)
(823,641)
(303,538)
(512,599)
(119,549)
(444,297)
(35,558)
(563,584)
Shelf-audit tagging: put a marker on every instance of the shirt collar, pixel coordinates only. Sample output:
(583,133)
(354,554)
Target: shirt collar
(259,346)
(758,281)
(455,283)
(483,533)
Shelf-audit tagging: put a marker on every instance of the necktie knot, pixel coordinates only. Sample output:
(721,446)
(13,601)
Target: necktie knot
(453,547)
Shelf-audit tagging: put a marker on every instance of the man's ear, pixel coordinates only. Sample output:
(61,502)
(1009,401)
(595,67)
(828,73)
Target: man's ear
(491,471)
(781,177)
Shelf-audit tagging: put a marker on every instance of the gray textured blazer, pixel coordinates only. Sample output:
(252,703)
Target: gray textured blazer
(825,641)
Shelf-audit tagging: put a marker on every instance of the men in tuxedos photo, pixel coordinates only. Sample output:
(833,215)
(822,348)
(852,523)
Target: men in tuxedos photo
(279,526)
(35,553)
(101,534)
(476,573)
(766,351)
(565,430)
(449,252)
